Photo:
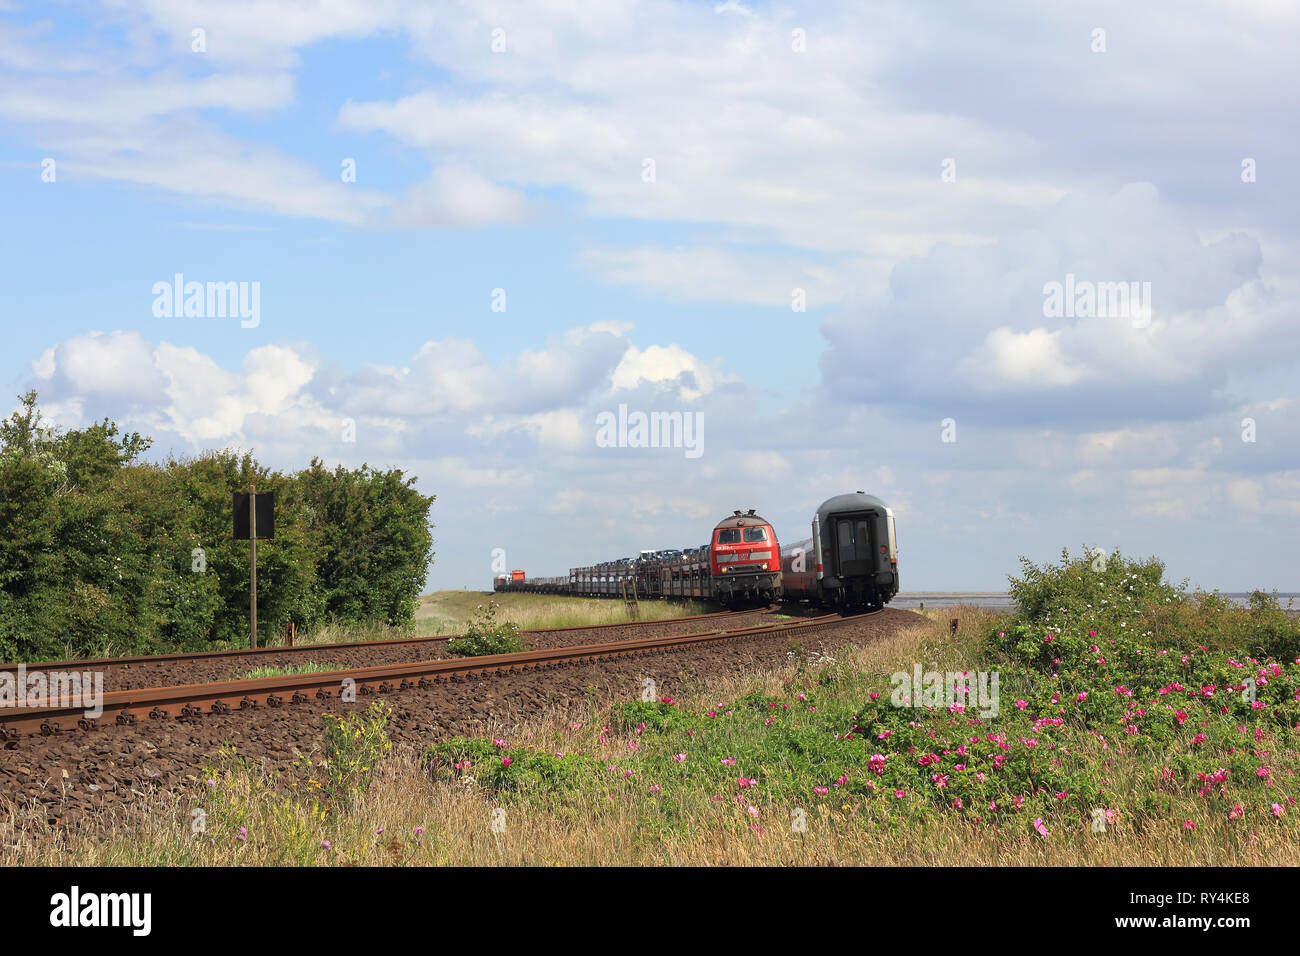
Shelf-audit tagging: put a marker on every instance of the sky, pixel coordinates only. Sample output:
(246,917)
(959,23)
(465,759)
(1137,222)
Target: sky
(836,238)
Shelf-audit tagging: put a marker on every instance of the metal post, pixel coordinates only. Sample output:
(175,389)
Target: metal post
(252,565)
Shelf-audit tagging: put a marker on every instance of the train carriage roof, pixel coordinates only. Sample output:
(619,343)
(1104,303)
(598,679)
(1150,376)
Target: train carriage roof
(857,501)
(738,521)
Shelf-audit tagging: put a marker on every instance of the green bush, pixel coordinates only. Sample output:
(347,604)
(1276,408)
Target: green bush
(486,635)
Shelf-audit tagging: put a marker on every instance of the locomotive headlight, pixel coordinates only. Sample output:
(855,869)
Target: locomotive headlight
(764,565)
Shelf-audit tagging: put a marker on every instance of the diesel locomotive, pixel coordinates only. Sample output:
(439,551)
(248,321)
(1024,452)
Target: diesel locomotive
(745,560)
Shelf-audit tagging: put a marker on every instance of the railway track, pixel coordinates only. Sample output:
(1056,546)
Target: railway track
(246,652)
(197,702)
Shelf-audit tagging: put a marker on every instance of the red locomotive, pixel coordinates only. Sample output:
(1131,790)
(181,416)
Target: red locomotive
(745,559)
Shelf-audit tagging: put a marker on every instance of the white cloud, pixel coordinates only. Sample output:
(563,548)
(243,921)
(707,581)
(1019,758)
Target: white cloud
(458,196)
(666,366)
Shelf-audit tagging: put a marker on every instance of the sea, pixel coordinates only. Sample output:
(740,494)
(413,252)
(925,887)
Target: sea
(1000,600)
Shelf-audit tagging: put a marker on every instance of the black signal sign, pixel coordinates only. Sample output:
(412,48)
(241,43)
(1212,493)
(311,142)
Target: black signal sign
(265,515)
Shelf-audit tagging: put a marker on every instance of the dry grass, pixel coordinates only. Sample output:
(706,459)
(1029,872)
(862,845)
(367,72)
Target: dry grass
(409,817)
(447,612)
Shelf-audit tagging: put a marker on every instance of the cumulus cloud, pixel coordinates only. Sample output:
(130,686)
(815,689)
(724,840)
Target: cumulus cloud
(966,327)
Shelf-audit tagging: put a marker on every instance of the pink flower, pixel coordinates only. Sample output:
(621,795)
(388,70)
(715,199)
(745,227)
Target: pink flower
(655,788)
(1189,825)
(1278,810)
(900,794)
(498,742)
(507,761)
(728,761)
(1022,704)
(325,844)
(884,734)
(679,758)
(1237,811)
(1081,697)
(752,811)
(821,791)
(419,831)
(1041,827)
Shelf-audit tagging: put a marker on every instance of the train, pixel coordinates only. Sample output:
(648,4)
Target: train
(849,562)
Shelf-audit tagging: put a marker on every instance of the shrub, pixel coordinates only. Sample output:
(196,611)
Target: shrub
(487,635)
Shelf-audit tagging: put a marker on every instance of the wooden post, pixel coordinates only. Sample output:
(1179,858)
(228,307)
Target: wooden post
(289,632)
(252,565)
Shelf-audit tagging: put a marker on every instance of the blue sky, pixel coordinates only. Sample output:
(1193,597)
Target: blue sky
(916,172)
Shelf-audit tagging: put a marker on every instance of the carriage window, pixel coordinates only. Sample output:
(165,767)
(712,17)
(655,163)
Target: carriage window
(854,539)
(755,534)
(729,536)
